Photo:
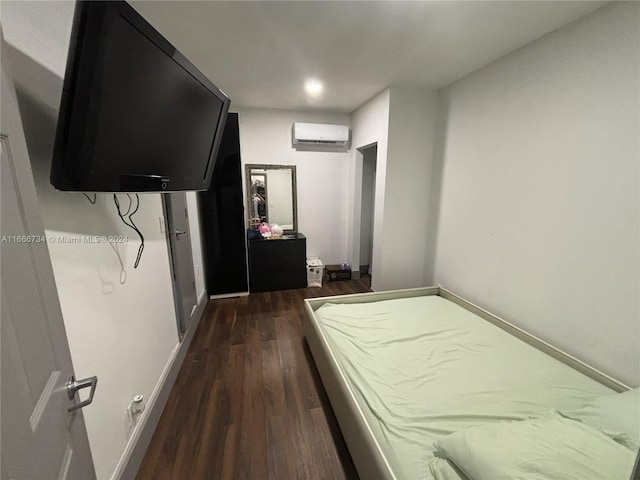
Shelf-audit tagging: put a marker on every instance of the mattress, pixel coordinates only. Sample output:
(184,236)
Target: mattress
(424,367)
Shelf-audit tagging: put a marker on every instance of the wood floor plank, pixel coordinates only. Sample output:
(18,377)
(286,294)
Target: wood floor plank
(272,377)
(248,402)
(233,378)
(253,426)
(231,444)
(208,455)
(281,462)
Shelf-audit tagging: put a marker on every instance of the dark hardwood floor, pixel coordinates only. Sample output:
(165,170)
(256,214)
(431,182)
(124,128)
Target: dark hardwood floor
(248,403)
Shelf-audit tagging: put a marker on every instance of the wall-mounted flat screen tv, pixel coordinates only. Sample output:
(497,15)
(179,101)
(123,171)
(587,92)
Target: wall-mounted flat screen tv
(135,115)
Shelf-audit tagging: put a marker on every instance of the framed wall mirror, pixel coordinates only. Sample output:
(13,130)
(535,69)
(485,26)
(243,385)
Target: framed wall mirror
(271,191)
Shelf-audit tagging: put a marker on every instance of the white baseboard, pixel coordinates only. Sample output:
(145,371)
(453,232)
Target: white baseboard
(136,448)
(201,295)
(229,295)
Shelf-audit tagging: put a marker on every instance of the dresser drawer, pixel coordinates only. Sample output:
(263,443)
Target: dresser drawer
(268,282)
(278,248)
(278,264)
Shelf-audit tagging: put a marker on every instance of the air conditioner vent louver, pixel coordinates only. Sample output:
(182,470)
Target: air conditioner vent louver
(320,134)
(321,142)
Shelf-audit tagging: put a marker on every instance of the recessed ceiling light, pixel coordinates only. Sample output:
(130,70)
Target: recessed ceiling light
(313,88)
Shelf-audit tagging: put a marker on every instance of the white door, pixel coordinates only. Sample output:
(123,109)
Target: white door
(181,256)
(40,438)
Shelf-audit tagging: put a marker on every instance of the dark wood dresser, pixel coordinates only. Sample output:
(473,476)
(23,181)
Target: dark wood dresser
(278,264)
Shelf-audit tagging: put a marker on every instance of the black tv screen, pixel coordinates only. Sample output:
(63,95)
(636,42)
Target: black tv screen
(135,114)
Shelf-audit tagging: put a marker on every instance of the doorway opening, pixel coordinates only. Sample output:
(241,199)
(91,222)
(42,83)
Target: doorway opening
(369,161)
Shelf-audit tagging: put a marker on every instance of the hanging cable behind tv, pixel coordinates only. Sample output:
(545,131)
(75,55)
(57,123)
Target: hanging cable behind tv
(127,219)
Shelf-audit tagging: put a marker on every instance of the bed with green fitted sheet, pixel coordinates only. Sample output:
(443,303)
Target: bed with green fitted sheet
(405,370)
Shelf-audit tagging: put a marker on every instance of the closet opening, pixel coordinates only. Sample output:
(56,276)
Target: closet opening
(369,160)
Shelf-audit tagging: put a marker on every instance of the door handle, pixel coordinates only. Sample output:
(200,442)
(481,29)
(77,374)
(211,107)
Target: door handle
(74,385)
(179,232)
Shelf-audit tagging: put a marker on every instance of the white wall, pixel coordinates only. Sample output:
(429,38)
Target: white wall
(412,127)
(322,177)
(370,126)
(120,324)
(539,213)
(402,122)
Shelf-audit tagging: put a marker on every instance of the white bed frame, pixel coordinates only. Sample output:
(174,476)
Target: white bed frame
(365,451)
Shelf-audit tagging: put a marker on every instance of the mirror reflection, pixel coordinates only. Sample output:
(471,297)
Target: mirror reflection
(272,195)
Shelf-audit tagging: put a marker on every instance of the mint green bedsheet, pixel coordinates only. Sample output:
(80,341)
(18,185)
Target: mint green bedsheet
(425,367)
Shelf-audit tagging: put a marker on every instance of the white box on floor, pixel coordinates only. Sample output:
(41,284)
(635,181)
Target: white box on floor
(315,269)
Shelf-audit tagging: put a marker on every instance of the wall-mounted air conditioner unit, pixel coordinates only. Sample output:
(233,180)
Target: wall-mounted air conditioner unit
(320,135)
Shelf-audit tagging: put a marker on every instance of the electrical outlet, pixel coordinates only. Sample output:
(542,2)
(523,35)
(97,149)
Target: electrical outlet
(135,409)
